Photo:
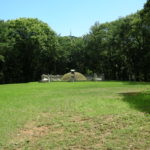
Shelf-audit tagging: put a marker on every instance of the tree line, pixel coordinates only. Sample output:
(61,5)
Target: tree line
(120,49)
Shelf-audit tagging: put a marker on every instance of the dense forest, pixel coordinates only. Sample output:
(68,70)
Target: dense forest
(120,49)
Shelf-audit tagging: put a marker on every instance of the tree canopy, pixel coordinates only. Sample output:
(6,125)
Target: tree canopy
(119,49)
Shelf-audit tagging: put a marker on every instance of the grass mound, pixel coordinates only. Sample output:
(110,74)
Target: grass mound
(69,77)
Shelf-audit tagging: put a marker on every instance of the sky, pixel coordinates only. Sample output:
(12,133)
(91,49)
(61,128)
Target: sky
(67,17)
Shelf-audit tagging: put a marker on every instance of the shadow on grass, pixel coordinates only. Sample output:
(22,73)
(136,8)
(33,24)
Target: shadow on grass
(137,100)
(136,83)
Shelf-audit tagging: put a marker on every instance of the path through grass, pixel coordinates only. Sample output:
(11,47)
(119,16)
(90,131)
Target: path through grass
(70,116)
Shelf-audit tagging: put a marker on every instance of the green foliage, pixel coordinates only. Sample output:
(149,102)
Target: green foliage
(71,54)
(33,51)
(118,49)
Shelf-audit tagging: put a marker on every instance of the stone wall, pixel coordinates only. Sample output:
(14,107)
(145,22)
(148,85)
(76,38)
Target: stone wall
(51,78)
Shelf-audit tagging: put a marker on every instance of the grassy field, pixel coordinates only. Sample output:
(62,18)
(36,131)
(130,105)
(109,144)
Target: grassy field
(75,116)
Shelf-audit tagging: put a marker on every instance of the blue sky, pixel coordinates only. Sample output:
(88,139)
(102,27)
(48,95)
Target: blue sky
(65,16)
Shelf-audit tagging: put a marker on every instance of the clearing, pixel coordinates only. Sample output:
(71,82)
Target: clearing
(75,116)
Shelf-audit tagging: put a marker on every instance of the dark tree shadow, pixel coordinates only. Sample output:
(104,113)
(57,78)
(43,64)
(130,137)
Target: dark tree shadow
(139,101)
(136,83)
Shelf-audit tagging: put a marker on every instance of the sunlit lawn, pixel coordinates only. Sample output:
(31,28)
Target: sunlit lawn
(71,116)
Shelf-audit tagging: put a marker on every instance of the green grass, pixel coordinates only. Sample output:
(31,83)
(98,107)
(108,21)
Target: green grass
(71,116)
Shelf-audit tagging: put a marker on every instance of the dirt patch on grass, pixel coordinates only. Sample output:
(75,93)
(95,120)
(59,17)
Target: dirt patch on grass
(74,131)
(93,130)
(79,119)
(33,132)
(30,133)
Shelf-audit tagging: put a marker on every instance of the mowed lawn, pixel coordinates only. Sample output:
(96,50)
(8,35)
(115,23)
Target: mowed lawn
(75,116)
